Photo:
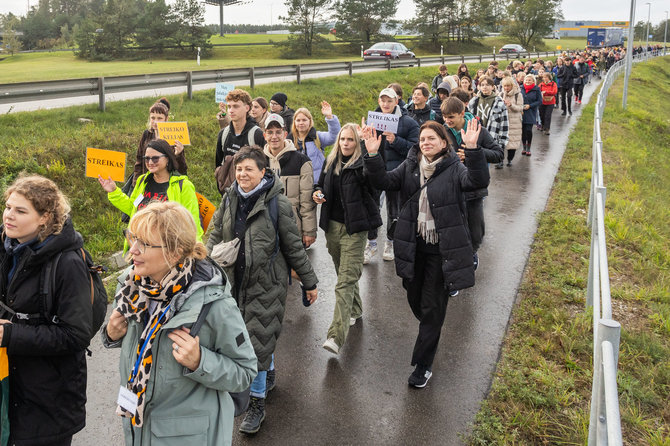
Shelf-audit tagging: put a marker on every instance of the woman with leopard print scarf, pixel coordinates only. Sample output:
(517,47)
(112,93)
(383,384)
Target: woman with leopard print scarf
(174,384)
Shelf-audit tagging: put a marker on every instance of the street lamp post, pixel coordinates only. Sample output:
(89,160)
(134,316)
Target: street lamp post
(629,53)
(665,35)
(648,19)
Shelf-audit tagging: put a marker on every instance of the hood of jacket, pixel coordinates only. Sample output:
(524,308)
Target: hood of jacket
(399,111)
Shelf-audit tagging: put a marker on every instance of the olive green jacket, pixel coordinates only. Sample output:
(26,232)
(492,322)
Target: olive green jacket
(262,293)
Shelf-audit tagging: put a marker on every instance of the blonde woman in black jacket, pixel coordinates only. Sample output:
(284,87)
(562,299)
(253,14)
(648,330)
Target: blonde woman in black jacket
(348,212)
(433,251)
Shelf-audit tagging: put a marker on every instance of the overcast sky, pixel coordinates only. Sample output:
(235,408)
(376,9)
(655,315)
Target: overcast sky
(268,11)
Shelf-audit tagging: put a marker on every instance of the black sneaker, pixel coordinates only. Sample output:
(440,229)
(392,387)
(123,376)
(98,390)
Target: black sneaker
(475,260)
(419,377)
(254,416)
(270,381)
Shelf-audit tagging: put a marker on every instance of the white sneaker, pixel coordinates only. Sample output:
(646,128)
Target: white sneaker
(388,251)
(331,346)
(369,253)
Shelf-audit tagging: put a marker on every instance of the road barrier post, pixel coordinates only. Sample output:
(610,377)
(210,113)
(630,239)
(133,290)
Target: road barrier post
(252,78)
(350,65)
(101,93)
(298,73)
(463,59)
(189,84)
(388,64)
(480,58)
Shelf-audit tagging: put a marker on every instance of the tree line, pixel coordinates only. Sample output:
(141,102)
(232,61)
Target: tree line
(109,29)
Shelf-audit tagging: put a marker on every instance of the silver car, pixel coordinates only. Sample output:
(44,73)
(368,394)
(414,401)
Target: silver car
(387,50)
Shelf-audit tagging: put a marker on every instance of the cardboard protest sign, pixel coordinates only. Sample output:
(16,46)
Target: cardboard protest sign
(106,163)
(222,91)
(384,122)
(174,131)
(206,211)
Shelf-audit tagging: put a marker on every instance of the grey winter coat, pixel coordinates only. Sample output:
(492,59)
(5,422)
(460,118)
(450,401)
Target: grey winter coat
(262,291)
(184,406)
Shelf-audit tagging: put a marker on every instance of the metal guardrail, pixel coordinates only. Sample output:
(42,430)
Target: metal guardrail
(100,86)
(605,420)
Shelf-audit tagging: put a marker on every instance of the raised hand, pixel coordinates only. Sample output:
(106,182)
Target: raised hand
(326,110)
(372,141)
(471,136)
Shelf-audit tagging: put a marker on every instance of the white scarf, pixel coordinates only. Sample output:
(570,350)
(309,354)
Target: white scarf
(425,221)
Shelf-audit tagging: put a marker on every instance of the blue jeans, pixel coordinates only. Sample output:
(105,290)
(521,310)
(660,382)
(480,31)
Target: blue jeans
(258,385)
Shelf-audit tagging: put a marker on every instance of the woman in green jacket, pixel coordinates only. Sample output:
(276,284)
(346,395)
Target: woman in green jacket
(161,183)
(255,210)
(174,386)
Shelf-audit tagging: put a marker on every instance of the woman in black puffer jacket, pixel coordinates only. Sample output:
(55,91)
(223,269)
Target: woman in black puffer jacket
(348,212)
(47,359)
(433,252)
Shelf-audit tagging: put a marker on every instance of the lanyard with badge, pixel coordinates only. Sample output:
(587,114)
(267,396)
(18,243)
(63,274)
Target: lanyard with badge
(127,398)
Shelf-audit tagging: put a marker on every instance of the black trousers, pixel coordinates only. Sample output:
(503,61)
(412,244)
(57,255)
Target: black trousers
(579,91)
(476,224)
(545,115)
(392,210)
(566,93)
(428,299)
(526,134)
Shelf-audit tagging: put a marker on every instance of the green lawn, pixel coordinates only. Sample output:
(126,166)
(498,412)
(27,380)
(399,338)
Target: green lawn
(32,67)
(542,386)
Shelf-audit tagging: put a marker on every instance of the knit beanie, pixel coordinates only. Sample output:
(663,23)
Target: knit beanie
(279,98)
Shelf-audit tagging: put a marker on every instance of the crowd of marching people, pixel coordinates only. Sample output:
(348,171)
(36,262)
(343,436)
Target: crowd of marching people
(197,314)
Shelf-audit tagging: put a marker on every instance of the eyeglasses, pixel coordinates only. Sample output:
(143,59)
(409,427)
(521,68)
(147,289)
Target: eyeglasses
(141,245)
(153,159)
(274,103)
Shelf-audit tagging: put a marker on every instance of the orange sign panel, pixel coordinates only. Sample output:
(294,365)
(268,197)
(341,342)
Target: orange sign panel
(106,163)
(206,211)
(174,131)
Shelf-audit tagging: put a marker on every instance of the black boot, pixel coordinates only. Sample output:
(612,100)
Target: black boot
(270,381)
(254,417)
(510,156)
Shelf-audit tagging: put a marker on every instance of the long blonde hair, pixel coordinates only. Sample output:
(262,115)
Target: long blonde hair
(301,111)
(335,155)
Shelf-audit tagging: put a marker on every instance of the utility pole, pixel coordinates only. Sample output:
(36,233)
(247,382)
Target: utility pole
(629,53)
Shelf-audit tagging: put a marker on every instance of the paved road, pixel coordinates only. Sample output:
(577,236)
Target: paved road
(361,396)
(45,104)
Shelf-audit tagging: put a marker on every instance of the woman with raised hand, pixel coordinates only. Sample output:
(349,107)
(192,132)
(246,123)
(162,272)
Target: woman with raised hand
(158,112)
(175,383)
(433,252)
(47,352)
(348,211)
(162,182)
(310,142)
(255,212)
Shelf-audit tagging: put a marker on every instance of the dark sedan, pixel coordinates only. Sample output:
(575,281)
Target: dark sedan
(387,50)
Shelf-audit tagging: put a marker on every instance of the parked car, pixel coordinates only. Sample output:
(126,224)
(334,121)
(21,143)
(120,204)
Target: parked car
(512,48)
(387,50)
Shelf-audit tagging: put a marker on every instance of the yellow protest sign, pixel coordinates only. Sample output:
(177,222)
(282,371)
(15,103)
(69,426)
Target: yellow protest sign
(559,47)
(106,163)
(174,131)
(206,211)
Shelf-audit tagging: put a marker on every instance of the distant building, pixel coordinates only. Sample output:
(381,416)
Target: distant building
(579,28)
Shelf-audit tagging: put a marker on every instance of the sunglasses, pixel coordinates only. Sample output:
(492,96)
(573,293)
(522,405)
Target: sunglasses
(153,159)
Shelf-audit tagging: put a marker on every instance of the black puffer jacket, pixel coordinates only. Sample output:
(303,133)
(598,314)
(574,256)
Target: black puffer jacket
(566,75)
(47,362)
(361,211)
(445,196)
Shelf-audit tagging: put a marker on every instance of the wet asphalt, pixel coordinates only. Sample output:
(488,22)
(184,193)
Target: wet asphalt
(361,396)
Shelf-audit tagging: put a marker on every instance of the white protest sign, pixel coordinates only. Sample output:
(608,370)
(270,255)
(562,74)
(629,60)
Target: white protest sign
(222,91)
(384,122)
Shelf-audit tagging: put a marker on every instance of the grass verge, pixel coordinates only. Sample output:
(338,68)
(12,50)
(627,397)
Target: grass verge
(53,142)
(542,386)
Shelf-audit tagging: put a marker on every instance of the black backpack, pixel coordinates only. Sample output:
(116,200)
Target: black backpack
(98,291)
